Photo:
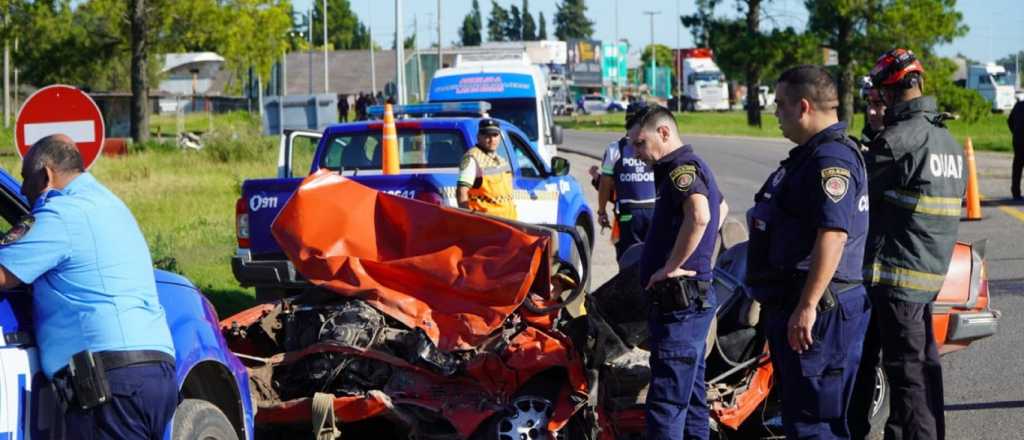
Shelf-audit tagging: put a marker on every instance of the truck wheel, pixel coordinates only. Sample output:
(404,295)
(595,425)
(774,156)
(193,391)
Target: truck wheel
(200,420)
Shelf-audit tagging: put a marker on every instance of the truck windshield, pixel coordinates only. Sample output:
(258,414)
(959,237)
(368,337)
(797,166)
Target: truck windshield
(707,76)
(418,148)
(1002,79)
(520,112)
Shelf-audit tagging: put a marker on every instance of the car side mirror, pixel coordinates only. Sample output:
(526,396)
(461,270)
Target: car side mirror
(559,166)
(556,135)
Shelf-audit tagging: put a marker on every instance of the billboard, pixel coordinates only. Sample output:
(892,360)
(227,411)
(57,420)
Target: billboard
(584,63)
(613,63)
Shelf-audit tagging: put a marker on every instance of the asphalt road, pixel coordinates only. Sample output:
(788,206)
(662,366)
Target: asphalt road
(984,384)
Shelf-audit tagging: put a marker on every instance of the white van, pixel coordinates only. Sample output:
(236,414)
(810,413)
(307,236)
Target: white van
(516,89)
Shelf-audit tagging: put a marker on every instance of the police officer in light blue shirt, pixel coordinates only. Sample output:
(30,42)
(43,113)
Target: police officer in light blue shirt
(97,316)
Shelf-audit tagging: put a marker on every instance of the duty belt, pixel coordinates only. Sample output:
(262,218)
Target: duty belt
(636,205)
(796,281)
(119,359)
(673,294)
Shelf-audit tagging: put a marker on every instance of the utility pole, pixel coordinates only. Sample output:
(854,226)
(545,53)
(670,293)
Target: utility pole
(654,53)
(325,47)
(439,43)
(675,60)
(399,55)
(7,78)
(309,54)
(615,82)
(373,63)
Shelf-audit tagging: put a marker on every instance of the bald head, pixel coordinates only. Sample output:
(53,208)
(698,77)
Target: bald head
(57,152)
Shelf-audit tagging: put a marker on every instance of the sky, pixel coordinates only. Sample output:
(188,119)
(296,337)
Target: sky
(996,26)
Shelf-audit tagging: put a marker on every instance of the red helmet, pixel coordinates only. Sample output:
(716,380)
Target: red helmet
(892,68)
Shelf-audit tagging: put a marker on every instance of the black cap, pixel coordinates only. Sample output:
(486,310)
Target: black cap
(488,125)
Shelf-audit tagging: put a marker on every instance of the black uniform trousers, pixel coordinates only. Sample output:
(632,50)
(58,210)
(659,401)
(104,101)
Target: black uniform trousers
(901,340)
(634,230)
(142,404)
(1018,164)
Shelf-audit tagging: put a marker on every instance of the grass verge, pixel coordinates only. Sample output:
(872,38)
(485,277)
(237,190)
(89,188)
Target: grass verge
(184,201)
(989,134)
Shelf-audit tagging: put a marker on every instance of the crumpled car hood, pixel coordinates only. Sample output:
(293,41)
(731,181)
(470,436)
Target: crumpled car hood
(457,277)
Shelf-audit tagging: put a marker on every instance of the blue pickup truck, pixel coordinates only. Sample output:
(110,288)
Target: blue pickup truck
(213,383)
(430,150)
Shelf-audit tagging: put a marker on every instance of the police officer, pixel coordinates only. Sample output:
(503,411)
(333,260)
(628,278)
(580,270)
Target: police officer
(917,184)
(675,267)
(633,186)
(1016,123)
(94,299)
(485,178)
(808,228)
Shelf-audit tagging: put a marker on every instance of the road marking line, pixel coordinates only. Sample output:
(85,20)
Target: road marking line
(1012,212)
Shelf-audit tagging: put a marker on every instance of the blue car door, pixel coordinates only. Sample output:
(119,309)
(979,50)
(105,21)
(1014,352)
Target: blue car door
(536,198)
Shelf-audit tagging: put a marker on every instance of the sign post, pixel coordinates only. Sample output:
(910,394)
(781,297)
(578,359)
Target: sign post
(61,109)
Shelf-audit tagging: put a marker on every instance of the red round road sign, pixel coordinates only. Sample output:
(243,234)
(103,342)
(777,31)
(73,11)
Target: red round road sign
(61,109)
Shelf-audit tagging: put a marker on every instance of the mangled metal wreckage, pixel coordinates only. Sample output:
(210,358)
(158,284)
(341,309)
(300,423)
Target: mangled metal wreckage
(425,321)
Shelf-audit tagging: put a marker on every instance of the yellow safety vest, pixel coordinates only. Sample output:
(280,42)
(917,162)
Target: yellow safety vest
(494,193)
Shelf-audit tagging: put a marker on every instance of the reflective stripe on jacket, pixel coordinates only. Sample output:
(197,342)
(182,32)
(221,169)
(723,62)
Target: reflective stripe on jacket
(493,194)
(917,181)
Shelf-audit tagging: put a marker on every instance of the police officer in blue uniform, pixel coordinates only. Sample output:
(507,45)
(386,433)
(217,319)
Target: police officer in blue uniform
(675,267)
(102,334)
(808,230)
(633,186)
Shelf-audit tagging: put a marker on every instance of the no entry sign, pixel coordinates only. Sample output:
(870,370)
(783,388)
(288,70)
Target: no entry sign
(61,109)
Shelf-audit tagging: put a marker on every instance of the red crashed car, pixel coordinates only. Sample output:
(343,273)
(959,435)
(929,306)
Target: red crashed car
(428,322)
(425,321)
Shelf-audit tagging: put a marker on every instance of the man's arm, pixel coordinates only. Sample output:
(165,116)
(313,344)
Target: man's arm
(604,195)
(467,177)
(696,216)
(7,279)
(825,256)
(462,196)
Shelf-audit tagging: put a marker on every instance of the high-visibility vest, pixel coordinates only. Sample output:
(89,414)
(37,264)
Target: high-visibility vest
(492,192)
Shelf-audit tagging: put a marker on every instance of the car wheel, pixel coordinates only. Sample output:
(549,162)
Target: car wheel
(524,419)
(879,405)
(200,420)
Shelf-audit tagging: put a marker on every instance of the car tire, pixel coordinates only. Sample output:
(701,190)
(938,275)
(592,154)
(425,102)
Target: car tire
(200,420)
(879,405)
(574,255)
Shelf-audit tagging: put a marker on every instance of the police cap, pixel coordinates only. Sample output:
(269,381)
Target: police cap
(489,126)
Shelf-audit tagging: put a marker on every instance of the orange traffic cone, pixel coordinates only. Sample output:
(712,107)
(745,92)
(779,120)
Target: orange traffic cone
(389,154)
(973,196)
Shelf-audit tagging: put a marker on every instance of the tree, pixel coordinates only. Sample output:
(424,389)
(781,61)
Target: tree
(471,27)
(1010,61)
(542,33)
(859,30)
(514,25)
(497,22)
(571,20)
(663,55)
(258,31)
(407,43)
(139,117)
(701,22)
(529,27)
(344,30)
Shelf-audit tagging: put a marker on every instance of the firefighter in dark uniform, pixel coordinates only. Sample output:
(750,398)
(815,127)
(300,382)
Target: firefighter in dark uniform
(807,233)
(632,183)
(917,184)
(675,267)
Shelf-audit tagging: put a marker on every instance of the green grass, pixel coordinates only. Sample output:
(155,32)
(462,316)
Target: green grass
(988,134)
(184,201)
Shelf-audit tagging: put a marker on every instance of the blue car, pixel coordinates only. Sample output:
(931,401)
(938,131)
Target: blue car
(430,150)
(213,383)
